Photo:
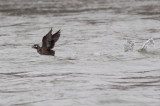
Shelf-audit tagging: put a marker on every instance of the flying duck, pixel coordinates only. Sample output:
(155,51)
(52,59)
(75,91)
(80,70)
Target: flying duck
(48,42)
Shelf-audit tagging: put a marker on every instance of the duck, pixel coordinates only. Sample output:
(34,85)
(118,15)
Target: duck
(48,43)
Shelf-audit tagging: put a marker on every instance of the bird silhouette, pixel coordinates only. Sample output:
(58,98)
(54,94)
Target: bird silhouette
(48,42)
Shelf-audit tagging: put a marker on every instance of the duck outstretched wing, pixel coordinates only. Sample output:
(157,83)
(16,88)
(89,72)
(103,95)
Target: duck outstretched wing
(49,40)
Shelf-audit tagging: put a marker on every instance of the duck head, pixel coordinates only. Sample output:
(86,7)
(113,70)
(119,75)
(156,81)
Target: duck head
(35,46)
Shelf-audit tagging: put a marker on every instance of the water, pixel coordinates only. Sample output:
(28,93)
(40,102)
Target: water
(90,67)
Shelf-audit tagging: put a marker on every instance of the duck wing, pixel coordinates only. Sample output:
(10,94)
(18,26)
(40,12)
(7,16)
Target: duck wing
(54,39)
(45,39)
(56,36)
(49,40)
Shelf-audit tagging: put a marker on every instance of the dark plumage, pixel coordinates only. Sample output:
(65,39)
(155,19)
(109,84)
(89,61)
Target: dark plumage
(48,42)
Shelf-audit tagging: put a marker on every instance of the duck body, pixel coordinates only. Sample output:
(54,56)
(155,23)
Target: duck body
(48,42)
(44,51)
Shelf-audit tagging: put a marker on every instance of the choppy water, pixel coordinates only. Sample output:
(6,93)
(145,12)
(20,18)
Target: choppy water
(90,67)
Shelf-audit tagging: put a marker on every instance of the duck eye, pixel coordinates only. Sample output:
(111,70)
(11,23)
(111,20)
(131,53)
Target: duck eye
(35,45)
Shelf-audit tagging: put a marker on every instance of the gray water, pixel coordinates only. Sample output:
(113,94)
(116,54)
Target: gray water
(90,67)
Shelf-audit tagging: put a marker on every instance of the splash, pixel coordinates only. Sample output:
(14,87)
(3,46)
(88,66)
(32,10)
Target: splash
(129,46)
(149,43)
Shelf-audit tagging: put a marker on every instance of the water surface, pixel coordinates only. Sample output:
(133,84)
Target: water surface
(90,67)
